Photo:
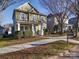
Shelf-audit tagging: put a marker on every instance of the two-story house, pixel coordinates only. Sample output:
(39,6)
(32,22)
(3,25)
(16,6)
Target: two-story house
(26,17)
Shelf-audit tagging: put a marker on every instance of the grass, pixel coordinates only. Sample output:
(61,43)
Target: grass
(10,41)
(56,34)
(40,51)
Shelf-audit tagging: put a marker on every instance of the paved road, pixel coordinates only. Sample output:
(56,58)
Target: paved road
(19,47)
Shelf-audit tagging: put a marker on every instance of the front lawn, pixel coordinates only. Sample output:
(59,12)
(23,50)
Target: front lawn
(10,41)
(40,52)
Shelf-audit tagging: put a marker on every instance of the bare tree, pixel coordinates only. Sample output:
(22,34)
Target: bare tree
(57,6)
(74,7)
(65,6)
(6,3)
(1,17)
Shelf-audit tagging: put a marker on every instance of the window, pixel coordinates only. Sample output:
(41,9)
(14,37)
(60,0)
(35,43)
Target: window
(55,21)
(21,28)
(26,28)
(42,19)
(23,16)
(49,19)
(34,17)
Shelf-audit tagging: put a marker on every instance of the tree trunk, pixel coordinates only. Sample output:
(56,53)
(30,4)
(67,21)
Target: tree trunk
(61,27)
(76,26)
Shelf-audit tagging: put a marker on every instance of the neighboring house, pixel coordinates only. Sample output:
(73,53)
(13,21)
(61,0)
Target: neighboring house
(2,30)
(53,22)
(26,17)
(8,28)
(73,22)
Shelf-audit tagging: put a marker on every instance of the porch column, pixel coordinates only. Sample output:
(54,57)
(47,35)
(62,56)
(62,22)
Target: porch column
(42,31)
(33,29)
(18,26)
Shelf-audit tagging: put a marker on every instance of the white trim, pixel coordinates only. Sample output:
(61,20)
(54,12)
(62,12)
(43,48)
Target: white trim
(23,5)
(33,30)
(18,24)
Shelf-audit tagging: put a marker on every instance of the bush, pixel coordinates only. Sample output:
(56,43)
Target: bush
(38,32)
(18,34)
(46,31)
(28,33)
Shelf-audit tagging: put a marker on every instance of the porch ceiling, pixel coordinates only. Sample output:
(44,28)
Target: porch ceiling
(27,22)
(24,22)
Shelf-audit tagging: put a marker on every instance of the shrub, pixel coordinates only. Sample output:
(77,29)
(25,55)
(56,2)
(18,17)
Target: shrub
(38,32)
(46,31)
(28,33)
(18,34)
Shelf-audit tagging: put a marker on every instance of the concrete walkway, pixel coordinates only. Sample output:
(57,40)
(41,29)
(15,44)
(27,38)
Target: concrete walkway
(19,47)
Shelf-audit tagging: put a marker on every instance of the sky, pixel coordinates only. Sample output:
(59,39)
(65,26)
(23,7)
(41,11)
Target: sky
(6,16)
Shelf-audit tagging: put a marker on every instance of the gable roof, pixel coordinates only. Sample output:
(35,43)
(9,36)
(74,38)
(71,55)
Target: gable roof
(57,14)
(29,11)
(73,20)
(27,4)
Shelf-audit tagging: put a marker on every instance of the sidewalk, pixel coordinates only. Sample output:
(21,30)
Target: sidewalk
(19,47)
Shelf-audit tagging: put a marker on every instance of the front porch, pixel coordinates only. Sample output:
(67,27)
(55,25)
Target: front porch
(25,27)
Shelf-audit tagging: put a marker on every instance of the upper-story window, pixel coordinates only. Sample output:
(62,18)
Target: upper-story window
(49,19)
(42,19)
(23,16)
(34,17)
(55,21)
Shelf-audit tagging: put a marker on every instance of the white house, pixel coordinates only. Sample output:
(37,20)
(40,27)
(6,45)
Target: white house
(53,22)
